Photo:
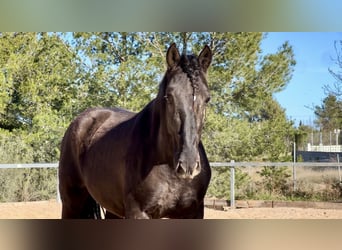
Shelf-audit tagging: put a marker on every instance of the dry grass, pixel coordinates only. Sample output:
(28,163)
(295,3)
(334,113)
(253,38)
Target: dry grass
(312,183)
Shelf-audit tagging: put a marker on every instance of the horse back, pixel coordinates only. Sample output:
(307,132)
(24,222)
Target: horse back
(89,127)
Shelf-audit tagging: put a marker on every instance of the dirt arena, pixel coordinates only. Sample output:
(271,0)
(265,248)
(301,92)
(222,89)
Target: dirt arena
(52,210)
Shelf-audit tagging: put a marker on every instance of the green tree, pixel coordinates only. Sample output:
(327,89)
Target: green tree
(335,89)
(38,83)
(329,114)
(302,136)
(48,78)
(14,148)
(242,83)
(119,69)
(276,133)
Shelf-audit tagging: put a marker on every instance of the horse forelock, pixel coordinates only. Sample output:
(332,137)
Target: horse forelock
(188,64)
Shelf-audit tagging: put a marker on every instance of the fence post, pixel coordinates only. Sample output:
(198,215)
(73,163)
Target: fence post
(232,185)
(58,198)
(294,167)
(339,168)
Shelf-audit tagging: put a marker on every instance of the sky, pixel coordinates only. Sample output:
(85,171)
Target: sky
(314,53)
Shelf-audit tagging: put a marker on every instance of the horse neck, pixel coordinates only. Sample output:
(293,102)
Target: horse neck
(162,142)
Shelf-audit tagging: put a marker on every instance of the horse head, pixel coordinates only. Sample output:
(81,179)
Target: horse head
(185,94)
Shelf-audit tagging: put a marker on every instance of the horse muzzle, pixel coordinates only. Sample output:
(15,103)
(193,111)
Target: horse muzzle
(187,170)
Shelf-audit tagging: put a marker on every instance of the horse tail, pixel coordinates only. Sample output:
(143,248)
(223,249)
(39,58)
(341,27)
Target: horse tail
(91,209)
(97,211)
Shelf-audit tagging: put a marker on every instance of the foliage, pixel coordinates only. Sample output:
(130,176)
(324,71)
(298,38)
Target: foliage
(228,139)
(46,79)
(329,114)
(337,187)
(335,89)
(37,88)
(220,184)
(330,190)
(243,117)
(27,184)
(14,147)
(301,135)
(275,180)
(275,183)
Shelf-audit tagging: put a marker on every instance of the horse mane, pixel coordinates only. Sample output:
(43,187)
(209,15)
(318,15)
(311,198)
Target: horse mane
(190,66)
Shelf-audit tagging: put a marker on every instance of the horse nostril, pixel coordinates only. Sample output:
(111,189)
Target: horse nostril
(179,169)
(197,169)
(197,165)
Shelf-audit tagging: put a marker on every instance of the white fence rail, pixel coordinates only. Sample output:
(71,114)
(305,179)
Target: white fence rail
(274,164)
(30,165)
(231,165)
(213,164)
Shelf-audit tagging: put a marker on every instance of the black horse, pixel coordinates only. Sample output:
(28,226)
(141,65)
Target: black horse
(150,164)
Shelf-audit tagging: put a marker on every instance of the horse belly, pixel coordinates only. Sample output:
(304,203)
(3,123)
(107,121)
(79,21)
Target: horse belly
(104,163)
(104,174)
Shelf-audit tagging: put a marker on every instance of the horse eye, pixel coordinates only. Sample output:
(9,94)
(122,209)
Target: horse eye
(207,100)
(168,98)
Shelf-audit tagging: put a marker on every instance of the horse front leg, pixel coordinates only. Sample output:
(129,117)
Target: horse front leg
(133,209)
(200,211)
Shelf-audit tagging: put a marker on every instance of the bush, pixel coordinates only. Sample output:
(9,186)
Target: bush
(27,184)
(24,184)
(275,180)
(337,187)
(14,147)
(220,184)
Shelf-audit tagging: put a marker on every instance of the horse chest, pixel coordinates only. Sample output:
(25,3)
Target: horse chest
(163,194)
(170,195)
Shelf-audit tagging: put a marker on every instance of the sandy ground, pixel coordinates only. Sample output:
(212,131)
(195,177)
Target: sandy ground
(52,210)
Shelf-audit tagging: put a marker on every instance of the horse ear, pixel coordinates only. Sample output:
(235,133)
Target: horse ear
(205,58)
(172,56)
